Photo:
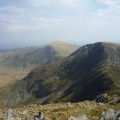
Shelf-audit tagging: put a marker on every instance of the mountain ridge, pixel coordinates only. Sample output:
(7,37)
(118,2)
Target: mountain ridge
(86,73)
(16,64)
(20,55)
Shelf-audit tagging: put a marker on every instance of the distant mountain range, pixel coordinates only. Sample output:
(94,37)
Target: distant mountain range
(15,64)
(36,55)
(89,71)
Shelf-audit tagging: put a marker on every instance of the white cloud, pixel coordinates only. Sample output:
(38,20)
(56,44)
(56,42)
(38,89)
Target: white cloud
(57,3)
(17,28)
(11,9)
(21,20)
(62,19)
(110,13)
(110,2)
(70,3)
(39,2)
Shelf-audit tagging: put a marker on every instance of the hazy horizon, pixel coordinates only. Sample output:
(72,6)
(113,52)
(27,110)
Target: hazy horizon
(29,23)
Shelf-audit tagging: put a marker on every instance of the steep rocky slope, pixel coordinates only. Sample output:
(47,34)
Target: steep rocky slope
(91,70)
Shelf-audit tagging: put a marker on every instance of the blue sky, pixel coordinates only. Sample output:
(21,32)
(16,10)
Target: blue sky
(38,22)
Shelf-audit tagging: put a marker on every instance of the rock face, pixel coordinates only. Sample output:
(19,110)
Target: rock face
(110,114)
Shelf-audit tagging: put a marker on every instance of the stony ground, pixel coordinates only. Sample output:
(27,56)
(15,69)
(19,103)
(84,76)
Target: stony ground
(58,111)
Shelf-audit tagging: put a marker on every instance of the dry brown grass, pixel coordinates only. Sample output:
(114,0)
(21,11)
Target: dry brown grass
(62,111)
(9,75)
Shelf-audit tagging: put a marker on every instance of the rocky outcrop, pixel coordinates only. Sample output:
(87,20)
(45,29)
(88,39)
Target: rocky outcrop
(101,98)
(9,115)
(40,116)
(110,114)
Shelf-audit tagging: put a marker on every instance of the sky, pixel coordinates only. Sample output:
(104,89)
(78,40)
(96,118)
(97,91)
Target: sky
(38,22)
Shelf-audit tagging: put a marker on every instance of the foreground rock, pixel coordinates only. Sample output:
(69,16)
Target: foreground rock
(40,116)
(110,114)
(9,115)
(62,111)
(83,117)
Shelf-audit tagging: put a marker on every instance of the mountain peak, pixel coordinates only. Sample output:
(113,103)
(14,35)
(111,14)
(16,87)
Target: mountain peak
(61,44)
(63,48)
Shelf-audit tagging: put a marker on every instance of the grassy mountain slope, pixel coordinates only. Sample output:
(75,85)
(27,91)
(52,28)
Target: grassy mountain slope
(15,64)
(91,70)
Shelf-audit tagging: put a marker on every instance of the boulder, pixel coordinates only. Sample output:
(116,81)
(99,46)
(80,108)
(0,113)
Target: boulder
(71,118)
(110,114)
(40,116)
(69,104)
